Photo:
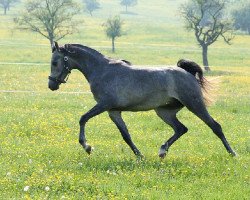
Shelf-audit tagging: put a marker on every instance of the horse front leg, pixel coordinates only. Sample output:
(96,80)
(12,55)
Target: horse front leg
(96,110)
(117,119)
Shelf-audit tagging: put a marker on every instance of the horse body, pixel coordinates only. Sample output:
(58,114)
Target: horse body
(118,86)
(132,89)
(128,88)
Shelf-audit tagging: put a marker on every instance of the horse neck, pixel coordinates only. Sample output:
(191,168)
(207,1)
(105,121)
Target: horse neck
(89,64)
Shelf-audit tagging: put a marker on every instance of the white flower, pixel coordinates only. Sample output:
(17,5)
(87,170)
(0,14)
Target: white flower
(26,188)
(47,188)
(8,173)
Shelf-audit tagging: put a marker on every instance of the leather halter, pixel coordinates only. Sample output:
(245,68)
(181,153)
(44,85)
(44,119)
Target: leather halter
(65,69)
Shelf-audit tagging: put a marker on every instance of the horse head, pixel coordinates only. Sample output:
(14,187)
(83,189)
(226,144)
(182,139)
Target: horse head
(60,66)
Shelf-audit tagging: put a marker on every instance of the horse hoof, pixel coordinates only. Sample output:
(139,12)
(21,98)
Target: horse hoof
(140,156)
(233,154)
(88,149)
(162,153)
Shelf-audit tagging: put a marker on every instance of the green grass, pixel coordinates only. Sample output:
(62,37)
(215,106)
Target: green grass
(39,128)
(39,145)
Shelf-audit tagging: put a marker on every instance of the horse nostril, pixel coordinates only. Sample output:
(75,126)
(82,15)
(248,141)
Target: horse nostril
(53,86)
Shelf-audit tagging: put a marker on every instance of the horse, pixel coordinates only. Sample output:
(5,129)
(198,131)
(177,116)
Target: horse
(118,86)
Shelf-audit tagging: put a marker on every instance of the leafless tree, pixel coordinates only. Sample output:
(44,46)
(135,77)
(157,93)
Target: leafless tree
(206,19)
(53,19)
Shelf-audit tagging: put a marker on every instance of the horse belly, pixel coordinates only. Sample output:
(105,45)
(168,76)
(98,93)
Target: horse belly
(149,102)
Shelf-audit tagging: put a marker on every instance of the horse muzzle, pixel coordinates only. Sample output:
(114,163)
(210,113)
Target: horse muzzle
(53,85)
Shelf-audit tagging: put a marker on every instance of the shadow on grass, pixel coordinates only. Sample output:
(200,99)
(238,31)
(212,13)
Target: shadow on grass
(128,13)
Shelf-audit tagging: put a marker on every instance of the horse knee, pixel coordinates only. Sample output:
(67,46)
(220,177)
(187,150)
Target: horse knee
(82,120)
(182,130)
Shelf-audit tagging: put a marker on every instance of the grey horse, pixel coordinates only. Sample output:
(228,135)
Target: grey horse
(118,86)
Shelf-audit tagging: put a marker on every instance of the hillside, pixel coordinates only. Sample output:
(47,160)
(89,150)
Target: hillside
(154,35)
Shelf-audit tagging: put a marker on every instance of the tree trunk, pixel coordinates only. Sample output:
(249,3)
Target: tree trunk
(5,10)
(51,40)
(113,44)
(126,8)
(204,57)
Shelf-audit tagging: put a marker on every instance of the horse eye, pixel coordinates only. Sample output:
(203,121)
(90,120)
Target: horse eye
(54,63)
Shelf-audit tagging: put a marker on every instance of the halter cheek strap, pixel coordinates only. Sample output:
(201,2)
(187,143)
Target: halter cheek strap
(65,69)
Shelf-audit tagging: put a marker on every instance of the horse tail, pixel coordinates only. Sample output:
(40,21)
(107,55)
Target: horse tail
(194,69)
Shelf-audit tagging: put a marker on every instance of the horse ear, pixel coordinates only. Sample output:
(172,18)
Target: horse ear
(55,47)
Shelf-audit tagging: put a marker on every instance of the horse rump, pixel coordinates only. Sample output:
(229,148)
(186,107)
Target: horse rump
(195,69)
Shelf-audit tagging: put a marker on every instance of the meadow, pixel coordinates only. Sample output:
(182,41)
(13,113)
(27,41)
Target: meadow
(40,157)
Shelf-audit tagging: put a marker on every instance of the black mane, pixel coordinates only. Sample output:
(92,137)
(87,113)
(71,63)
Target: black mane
(97,53)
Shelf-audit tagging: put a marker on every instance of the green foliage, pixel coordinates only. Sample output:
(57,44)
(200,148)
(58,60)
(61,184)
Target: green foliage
(91,5)
(242,17)
(128,3)
(6,4)
(113,28)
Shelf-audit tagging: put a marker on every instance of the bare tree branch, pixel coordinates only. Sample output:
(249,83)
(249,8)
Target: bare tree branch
(53,19)
(205,18)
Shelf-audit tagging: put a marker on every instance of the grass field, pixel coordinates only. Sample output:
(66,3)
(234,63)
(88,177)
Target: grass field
(40,157)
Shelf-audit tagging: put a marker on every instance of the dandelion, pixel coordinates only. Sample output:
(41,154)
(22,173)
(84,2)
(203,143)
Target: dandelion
(47,188)
(26,188)
(8,173)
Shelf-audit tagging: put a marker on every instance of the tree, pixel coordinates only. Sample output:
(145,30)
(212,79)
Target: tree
(113,28)
(128,3)
(206,19)
(52,19)
(241,17)
(91,5)
(6,4)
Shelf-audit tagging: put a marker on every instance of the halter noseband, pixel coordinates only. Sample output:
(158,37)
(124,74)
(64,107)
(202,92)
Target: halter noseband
(65,68)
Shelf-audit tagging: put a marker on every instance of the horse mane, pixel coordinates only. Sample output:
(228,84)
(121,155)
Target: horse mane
(88,49)
(97,53)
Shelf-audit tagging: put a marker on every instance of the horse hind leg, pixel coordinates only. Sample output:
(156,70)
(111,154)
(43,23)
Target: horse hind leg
(196,105)
(168,115)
